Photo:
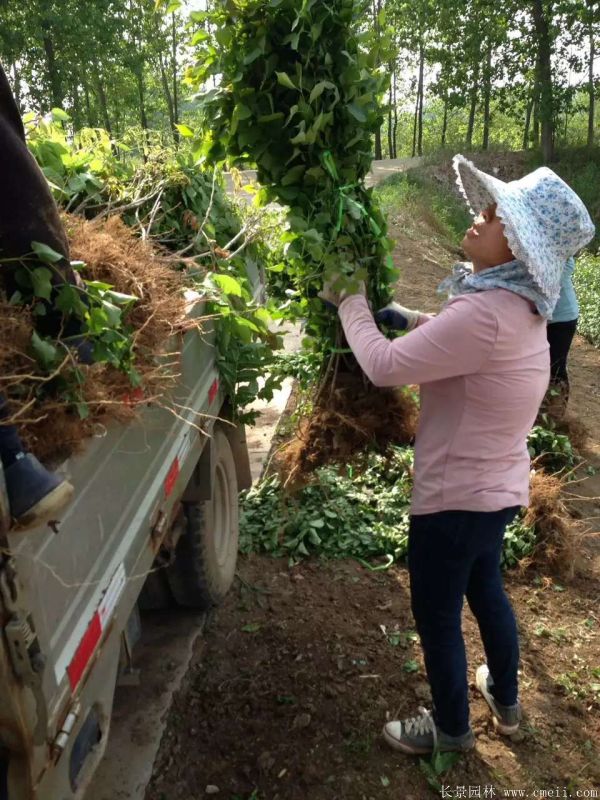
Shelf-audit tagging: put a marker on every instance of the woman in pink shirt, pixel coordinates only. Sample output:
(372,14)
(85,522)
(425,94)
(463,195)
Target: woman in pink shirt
(483,367)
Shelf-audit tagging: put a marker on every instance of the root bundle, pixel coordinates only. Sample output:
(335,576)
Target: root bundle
(347,418)
(48,422)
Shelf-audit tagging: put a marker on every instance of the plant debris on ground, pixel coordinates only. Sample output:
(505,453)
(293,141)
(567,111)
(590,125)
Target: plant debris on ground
(360,509)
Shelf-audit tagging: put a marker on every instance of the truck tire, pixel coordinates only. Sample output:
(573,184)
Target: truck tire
(206,553)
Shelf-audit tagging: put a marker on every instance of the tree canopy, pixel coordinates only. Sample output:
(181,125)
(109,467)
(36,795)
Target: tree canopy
(473,73)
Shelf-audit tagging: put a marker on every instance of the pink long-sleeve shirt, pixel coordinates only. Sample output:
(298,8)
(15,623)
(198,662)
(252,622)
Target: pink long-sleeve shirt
(483,367)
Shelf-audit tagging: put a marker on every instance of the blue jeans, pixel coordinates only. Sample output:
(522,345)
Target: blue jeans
(10,442)
(452,554)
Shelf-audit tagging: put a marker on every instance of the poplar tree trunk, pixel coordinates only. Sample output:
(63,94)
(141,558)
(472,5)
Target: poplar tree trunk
(487,93)
(473,108)
(445,122)
(394,135)
(168,97)
(76,112)
(88,107)
(174,60)
(420,94)
(376,5)
(101,94)
(527,127)
(16,85)
(592,97)
(416,115)
(390,130)
(142,97)
(138,63)
(536,123)
(546,96)
(56,91)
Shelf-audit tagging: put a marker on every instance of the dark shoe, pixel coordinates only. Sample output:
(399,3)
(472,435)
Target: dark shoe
(81,348)
(420,735)
(506,718)
(35,494)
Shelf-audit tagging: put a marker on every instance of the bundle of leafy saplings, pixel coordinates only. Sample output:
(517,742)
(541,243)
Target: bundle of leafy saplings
(297,93)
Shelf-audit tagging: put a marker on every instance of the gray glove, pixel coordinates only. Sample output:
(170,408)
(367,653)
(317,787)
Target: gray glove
(397,317)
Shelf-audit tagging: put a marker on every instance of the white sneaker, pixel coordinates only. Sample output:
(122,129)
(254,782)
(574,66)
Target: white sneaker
(506,718)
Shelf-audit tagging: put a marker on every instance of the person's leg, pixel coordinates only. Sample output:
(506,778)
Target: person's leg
(493,611)
(10,441)
(560,338)
(439,561)
(35,494)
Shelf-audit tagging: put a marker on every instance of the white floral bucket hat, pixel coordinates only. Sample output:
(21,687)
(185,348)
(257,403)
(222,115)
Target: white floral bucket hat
(545,222)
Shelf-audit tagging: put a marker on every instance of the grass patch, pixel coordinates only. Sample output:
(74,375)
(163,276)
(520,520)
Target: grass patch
(407,191)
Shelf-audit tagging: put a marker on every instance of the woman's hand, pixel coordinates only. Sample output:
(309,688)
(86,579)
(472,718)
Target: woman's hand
(339,286)
(397,317)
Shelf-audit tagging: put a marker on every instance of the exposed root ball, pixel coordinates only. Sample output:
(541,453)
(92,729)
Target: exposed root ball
(559,538)
(345,421)
(113,254)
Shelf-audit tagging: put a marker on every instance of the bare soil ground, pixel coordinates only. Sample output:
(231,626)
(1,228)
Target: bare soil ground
(295,678)
(291,686)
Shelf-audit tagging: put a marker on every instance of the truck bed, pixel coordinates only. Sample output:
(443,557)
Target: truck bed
(77,585)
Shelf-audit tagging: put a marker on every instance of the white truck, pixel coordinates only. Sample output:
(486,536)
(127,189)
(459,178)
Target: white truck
(155,513)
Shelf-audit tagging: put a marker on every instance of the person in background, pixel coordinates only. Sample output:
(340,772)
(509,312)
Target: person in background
(561,330)
(483,367)
(29,214)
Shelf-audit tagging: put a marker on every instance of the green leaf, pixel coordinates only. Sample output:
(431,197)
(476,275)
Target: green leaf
(199,37)
(242,111)
(318,90)
(98,285)
(185,131)
(45,253)
(357,112)
(120,298)
(227,284)
(430,775)
(271,117)
(293,175)
(112,314)
(44,351)
(410,666)
(284,79)
(41,278)
(252,56)
(252,627)
(83,410)
(59,115)
(224,36)
(442,762)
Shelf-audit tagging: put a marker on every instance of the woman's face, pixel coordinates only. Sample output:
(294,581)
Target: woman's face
(485,243)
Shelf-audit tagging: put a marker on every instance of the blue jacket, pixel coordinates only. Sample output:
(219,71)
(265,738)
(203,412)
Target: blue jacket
(567,307)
